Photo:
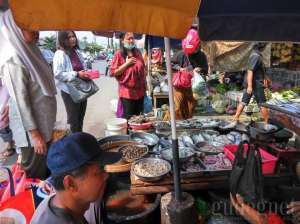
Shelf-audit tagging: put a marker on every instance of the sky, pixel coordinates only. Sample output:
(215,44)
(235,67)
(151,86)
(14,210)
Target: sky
(80,35)
(91,37)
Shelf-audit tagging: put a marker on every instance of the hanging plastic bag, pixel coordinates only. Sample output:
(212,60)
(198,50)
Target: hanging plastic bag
(199,86)
(20,182)
(246,176)
(19,205)
(147,104)
(120,110)
(182,79)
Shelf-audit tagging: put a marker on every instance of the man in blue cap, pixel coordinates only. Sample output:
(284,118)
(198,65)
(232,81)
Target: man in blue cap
(77,174)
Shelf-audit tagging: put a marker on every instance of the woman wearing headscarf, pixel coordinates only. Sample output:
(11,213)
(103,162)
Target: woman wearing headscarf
(189,60)
(128,68)
(30,84)
(68,64)
(183,97)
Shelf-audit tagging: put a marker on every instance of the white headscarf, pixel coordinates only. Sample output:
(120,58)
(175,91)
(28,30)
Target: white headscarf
(13,43)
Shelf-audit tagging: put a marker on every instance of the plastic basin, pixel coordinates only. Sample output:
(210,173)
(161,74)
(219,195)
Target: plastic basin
(116,124)
(268,161)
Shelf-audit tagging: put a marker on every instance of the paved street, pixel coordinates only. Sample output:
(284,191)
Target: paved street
(98,109)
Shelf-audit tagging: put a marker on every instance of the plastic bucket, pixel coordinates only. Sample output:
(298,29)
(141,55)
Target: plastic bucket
(122,131)
(116,124)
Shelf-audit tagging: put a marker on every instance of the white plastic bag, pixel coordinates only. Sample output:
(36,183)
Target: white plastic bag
(199,86)
(114,105)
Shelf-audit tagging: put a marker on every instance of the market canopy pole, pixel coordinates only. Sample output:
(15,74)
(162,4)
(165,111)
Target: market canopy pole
(180,209)
(176,172)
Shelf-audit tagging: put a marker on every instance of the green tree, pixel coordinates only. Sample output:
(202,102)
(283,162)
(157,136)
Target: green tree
(93,47)
(50,43)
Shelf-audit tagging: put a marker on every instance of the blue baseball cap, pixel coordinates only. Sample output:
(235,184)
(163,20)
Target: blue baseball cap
(76,150)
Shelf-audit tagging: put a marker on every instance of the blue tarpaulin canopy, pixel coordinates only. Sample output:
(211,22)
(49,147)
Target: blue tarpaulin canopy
(158,42)
(244,20)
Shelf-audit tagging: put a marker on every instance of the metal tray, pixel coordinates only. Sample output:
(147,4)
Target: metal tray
(145,138)
(113,138)
(154,178)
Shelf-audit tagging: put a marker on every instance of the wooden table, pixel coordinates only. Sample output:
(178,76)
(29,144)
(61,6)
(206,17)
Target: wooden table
(160,95)
(206,182)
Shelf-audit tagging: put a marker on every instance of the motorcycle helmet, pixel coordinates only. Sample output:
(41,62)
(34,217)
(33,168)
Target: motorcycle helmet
(191,42)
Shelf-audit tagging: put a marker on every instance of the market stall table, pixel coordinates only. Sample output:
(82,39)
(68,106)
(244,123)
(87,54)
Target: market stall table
(283,109)
(287,116)
(197,183)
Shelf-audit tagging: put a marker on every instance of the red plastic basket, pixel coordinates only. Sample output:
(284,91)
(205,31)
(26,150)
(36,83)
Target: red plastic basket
(268,161)
(143,126)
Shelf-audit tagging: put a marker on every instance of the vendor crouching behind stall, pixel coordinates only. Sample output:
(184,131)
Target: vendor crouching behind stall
(78,177)
(190,59)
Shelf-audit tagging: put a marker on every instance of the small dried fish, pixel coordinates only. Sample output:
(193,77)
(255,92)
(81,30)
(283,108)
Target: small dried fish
(150,168)
(133,152)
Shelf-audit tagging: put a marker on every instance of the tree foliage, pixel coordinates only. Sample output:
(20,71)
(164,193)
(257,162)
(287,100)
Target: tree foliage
(50,43)
(93,47)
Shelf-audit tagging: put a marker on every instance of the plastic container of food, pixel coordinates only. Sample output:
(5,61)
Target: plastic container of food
(268,161)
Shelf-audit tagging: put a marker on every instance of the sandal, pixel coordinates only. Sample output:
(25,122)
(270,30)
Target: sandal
(8,152)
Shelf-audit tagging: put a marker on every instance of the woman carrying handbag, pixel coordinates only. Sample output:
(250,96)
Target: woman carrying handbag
(31,87)
(68,66)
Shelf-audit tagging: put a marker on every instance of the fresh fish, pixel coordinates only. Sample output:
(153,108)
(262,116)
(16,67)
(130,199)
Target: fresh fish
(195,139)
(210,123)
(222,139)
(231,137)
(187,140)
(237,137)
(201,138)
(226,140)
(206,136)
(198,138)
(180,141)
(217,144)
(235,133)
